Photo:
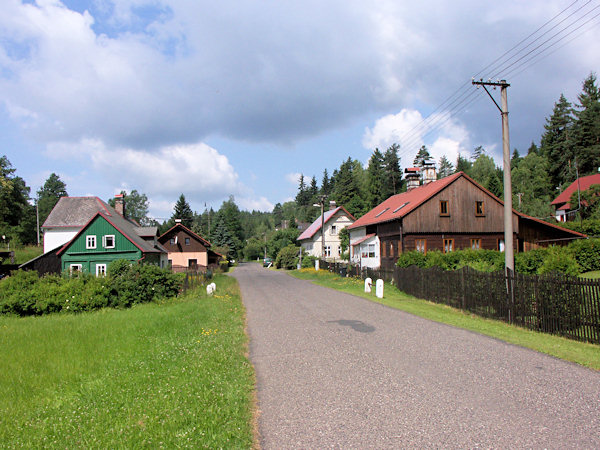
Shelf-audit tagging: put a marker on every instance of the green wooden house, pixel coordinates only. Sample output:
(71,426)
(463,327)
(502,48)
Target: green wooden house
(107,237)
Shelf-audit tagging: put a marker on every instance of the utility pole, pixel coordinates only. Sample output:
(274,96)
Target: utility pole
(509,258)
(322,205)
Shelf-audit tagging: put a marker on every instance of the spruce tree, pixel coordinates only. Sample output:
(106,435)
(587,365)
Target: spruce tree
(392,174)
(375,181)
(556,144)
(445,168)
(49,194)
(325,184)
(463,165)
(422,156)
(586,130)
(183,211)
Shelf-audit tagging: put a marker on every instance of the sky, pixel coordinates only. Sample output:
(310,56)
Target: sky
(238,98)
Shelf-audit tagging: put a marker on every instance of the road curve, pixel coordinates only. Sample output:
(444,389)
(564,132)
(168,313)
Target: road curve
(337,371)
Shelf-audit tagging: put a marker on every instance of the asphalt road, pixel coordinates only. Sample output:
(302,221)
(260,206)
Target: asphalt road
(337,371)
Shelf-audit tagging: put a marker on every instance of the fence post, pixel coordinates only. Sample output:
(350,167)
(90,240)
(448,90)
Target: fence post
(463,301)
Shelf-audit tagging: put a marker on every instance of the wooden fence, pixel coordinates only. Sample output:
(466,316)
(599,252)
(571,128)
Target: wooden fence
(556,304)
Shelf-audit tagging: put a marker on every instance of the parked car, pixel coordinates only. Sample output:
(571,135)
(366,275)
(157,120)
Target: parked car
(267,262)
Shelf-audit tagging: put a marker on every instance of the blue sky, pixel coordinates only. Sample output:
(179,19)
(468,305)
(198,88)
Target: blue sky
(213,99)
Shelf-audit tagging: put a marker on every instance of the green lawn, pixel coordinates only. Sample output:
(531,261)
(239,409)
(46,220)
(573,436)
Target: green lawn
(157,375)
(594,275)
(578,352)
(25,253)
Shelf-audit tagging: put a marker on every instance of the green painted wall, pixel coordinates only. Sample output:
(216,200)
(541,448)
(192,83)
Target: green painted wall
(77,253)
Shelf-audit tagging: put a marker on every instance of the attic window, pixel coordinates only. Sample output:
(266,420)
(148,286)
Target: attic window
(109,241)
(90,241)
(382,212)
(400,207)
(444,208)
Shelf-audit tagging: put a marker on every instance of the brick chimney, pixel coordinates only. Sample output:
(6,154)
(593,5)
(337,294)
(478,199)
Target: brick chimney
(120,204)
(429,173)
(413,177)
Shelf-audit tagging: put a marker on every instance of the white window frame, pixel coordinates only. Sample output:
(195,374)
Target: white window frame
(371,252)
(340,250)
(327,251)
(77,267)
(90,241)
(105,237)
(333,229)
(100,270)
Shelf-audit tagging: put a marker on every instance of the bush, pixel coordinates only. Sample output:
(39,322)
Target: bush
(287,258)
(308,261)
(560,260)
(587,253)
(531,261)
(224,265)
(412,258)
(24,293)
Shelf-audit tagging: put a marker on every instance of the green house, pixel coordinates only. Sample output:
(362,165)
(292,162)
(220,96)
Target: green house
(106,238)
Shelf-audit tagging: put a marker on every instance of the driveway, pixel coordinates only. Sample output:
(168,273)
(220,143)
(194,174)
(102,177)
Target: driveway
(337,371)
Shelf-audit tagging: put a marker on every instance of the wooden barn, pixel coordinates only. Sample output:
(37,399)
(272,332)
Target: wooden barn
(450,214)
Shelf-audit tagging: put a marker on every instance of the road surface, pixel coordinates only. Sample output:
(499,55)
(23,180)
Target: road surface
(337,371)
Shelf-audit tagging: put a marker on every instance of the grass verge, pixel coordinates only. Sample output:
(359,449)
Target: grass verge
(579,352)
(174,374)
(594,275)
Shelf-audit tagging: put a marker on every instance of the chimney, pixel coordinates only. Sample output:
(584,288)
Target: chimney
(429,174)
(413,177)
(332,205)
(120,204)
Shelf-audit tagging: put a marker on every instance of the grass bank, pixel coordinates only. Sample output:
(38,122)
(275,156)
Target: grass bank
(578,352)
(174,374)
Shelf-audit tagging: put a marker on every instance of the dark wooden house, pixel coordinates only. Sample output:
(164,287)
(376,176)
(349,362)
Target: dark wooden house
(188,250)
(450,214)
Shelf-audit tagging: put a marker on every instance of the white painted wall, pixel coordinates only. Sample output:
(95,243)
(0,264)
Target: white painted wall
(360,253)
(314,246)
(58,237)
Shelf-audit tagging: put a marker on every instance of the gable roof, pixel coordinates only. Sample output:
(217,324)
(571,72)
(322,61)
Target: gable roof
(564,198)
(316,225)
(363,239)
(75,211)
(126,228)
(187,231)
(399,205)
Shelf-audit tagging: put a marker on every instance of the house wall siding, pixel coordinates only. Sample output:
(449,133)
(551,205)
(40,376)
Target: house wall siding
(180,254)
(461,196)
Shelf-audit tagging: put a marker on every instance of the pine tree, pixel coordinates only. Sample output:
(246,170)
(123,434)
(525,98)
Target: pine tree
(222,239)
(422,156)
(346,191)
(586,130)
(183,211)
(313,191)
(392,181)
(302,195)
(515,159)
(555,144)
(477,152)
(463,165)
(49,194)
(325,184)
(445,167)
(533,149)
(375,181)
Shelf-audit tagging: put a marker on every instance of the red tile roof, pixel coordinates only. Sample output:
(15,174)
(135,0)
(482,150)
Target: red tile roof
(399,205)
(584,185)
(316,225)
(363,239)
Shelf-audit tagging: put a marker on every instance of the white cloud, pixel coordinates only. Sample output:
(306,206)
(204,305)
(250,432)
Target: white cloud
(293,178)
(254,203)
(392,128)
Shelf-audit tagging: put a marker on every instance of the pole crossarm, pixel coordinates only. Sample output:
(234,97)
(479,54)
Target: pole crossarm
(501,83)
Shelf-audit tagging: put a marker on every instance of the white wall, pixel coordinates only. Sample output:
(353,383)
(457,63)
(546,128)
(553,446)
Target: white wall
(360,253)
(340,220)
(58,237)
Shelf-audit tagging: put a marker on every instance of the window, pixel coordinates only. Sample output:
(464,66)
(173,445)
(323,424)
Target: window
(364,251)
(90,241)
(378,214)
(391,250)
(479,209)
(340,251)
(75,268)
(421,245)
(371,250)
(400,207)
(172,241)
(169,262)
(475,244)
(187,241)
(448,245)
(100,270)
(444,208)
(108,241)
(333,229)
(192,263)
(327,251)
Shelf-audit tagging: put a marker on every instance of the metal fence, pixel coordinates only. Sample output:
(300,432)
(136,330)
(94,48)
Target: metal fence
(556,304)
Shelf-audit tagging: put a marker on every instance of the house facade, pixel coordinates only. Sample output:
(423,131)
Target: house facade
(106,238)
(333,221)
(187,250)
(446,215)
(562,204)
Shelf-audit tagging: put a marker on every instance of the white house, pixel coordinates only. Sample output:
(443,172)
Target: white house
(364,248)
(334,221)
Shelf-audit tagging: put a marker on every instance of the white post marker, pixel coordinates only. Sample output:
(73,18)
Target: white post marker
(368,284)
(214,287)
(379,288)
(316,264)
(209,289)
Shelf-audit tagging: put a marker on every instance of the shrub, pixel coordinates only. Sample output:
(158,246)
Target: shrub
(531,261)
(561,260)
(224,265)
(412,258)
(587,253)
(308,261)
(287,258)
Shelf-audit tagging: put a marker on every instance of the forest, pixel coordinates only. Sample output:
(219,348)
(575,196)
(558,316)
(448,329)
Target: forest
(569,147)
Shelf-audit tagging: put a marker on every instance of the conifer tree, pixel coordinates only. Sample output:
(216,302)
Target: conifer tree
(375,181)
(445,167)
(463,165)
(183,211)
(49,194)
(422,156)
(325,184)
(586,130)
(556,145)
(392,183)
